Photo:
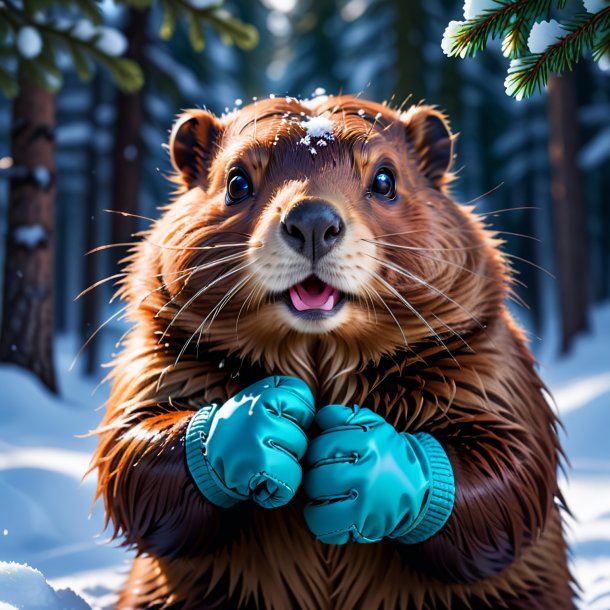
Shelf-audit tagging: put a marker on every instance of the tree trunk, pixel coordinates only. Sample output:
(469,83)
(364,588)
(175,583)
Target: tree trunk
(127,142)
(26,335)
(569,225)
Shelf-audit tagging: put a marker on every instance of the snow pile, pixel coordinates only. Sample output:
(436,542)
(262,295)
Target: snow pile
(30,236)
(25,587)
(510,82)
(595,6)
(45,504)
(29,42)
(543,35)
(449,39)
(581,387)
(474,8)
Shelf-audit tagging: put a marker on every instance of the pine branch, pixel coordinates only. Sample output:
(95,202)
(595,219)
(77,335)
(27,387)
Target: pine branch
(531,73)
(493,23)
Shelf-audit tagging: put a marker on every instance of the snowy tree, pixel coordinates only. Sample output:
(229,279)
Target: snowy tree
(537,47)
(539,50)
(38,40)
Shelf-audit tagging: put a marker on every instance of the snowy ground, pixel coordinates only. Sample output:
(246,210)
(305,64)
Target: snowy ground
(44,505)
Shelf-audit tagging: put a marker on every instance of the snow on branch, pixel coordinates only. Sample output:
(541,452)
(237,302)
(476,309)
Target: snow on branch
(537,47)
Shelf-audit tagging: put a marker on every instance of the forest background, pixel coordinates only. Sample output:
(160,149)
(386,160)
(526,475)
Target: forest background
(539,167)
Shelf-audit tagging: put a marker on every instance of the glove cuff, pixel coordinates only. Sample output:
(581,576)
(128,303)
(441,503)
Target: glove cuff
(441,496)
(197,462)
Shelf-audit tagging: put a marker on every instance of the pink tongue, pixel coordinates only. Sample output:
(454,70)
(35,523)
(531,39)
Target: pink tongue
(313,295)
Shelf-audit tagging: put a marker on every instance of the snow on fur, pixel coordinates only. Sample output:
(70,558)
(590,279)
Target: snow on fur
(318,127)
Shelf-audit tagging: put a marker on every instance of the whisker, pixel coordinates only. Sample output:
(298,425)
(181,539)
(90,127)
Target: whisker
(129,215)
(418,248)
(413,310)
(223,302)
(528,262)
(199,328)
(422,282)
(489,192)
(113,316)
(435,258)
(200,292)
(514,234)
(504,210)
(389,310)
(99,283)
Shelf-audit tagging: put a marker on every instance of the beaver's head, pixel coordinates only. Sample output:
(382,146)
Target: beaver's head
(322,220)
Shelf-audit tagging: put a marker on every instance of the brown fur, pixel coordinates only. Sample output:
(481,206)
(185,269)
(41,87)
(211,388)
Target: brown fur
(465,374)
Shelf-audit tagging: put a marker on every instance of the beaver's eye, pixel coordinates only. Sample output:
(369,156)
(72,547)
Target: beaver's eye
(384,184)
(238,186)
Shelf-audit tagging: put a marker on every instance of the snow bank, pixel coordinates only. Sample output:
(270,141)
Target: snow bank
(44,502)
(22,587)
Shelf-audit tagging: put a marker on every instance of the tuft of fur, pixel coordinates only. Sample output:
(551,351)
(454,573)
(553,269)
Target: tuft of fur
(425,340)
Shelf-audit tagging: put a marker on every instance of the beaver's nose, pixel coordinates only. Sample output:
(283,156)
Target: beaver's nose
(312,228)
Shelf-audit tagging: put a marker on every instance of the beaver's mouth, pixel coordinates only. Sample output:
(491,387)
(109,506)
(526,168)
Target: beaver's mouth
(314,299)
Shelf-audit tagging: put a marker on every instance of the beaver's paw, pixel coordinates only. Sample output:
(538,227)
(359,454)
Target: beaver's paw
(250,446)
(367,481)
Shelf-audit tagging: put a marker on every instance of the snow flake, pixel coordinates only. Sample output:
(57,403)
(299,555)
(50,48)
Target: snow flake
(595,6)
(604,62)
(30,236)
(544,34)
(475,8)
(239,102)
(319,91)
(110,41)
(5,532)
(449,39)
(313,151)
(272,96)
(29,42)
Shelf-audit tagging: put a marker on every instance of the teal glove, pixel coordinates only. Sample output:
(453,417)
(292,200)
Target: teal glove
(367,481)
(250,447)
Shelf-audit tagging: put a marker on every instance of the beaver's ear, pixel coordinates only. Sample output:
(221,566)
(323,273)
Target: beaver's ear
(429,133)
(192,145)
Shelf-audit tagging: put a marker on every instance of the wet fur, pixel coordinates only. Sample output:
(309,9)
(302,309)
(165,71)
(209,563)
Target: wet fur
(465,374)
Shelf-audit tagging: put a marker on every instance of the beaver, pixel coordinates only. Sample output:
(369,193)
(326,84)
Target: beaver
(318,239)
